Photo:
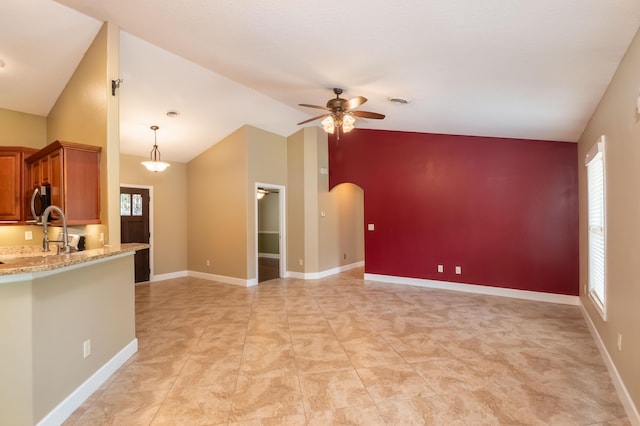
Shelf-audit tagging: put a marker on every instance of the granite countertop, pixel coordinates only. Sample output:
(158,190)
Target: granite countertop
(21,260)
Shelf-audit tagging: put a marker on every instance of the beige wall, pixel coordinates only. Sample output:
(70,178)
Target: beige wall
(22,129)
(269,223)
(170,210)
(94,302)
(313,139)
(217,208)
(268,213)
(341,235)
(266,163)
(295,202)
(321,242)
(81,114)
(342,229)
(16,386)
(14,235)
(222,203)
(44,323)
(617,118)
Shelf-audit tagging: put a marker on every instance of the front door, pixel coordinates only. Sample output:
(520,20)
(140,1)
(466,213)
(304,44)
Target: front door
(134,226)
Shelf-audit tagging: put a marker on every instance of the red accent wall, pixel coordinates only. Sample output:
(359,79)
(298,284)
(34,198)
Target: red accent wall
(505,210)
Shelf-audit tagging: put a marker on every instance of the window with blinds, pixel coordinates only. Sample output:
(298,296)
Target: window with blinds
(596,222)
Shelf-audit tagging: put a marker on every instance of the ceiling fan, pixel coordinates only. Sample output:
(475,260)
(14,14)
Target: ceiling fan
(342,113)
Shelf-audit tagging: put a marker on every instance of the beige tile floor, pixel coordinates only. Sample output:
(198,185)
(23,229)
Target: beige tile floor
(344,351)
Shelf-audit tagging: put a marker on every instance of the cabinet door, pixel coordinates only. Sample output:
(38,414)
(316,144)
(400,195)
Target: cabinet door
(55,164)
(34,174)
(10,179)
(82,186)
(44,169)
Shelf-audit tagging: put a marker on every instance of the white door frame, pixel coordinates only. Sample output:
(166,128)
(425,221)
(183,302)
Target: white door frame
(282,223)
(151,198)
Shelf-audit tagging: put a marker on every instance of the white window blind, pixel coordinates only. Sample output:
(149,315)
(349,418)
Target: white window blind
(596,222)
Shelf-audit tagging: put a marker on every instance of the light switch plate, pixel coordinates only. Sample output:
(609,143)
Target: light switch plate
(440,268)
(370,227)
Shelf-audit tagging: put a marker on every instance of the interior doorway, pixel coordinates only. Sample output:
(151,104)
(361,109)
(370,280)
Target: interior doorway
(270,226)
(134,226)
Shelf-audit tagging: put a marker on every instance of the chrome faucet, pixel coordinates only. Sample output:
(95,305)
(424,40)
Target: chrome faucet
(65,233)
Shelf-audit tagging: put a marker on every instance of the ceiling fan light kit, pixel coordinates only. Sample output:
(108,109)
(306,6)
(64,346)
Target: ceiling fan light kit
(341,113)
(154,164)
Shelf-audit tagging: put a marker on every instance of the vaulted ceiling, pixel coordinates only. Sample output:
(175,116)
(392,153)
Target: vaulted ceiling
(517,69)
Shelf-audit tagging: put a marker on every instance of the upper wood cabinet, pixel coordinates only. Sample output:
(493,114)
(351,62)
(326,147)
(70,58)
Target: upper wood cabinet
(12,183)
(73,172)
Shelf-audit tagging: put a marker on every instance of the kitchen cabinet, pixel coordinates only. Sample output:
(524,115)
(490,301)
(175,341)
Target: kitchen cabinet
(73,172)
(13,180)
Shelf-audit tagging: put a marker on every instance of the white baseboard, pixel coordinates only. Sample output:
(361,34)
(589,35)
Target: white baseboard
(224,279)
(168,276)
(479,289)
(269,255)
(62,412)
(325,273)
(623,394)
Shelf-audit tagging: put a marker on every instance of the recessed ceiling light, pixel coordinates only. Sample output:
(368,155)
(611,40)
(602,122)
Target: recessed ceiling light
(398,101)
(173,114)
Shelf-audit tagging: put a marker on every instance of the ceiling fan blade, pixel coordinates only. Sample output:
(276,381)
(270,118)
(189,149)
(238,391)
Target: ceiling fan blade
(312,119)
(356,102)
(314,106)
(367,114)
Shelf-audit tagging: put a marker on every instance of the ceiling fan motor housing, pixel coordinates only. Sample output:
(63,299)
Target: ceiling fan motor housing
(337,104)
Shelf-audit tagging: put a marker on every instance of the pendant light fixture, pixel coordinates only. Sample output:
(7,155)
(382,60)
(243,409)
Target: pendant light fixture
(154,164)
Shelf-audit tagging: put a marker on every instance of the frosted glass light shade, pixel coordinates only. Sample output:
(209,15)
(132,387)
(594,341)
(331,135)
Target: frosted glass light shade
(155,166)
(348,123)
(328,124)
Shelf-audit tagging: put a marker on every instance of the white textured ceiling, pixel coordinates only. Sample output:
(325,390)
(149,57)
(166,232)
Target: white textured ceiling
(41,44)
(519,68)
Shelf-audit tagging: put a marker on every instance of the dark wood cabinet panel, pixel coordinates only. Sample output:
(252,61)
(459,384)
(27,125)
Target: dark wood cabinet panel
(12,183)
(10,171)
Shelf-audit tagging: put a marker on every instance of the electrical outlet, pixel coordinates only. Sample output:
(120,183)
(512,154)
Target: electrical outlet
(28,235)
(344,256)
(458,270)
(86,348)
(101,240)
(371,227)
(208,263)
(619,342)
(440,268)
(300,262)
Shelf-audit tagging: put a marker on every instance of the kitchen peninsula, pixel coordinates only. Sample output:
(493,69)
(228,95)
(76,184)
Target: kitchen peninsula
(67,322)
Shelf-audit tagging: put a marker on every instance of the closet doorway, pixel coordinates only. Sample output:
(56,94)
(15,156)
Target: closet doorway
(270,256)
